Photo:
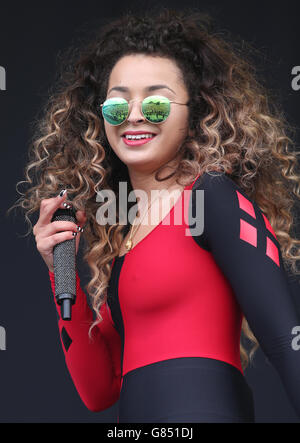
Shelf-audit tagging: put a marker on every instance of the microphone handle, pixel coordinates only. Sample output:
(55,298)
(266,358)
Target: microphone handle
(66,301)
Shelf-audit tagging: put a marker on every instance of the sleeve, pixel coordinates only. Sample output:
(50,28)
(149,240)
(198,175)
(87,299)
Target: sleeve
(246,249)
(94,364)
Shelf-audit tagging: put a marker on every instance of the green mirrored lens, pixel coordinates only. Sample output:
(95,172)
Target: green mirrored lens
(156,108)
(115,110)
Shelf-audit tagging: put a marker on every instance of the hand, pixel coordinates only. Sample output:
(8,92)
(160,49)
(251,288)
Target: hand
(48,234)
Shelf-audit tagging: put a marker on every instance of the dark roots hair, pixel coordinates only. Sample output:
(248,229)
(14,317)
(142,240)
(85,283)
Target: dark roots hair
(238,130)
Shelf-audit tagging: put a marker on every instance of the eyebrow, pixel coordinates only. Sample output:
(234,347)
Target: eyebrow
(147,88)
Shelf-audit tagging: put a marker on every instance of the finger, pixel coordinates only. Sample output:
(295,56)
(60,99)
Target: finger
(47,244)
(81,218)
(49,206)
(54,228)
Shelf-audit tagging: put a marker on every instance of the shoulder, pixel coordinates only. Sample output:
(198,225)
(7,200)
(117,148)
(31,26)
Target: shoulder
(221,192)
(214,181)
(230,212)
(215,200)
(227,207)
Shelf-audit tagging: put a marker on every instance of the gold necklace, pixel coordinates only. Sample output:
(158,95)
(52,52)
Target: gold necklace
(129,242)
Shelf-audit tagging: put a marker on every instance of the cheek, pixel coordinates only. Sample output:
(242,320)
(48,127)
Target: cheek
(180,115)
(176,128)
(111,134)
(108,130)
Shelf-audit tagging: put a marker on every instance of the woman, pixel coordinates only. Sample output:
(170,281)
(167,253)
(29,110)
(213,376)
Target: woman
(170,302)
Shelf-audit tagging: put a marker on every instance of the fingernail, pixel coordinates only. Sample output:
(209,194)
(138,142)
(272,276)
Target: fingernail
(67,206)
(62,193)
(74,234)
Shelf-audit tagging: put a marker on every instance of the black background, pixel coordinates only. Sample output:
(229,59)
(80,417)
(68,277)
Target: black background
(35,385)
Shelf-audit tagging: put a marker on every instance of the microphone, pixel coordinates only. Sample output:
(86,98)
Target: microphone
(64,258)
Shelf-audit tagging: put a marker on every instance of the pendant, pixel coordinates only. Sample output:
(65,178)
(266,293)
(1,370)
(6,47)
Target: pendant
(128,245)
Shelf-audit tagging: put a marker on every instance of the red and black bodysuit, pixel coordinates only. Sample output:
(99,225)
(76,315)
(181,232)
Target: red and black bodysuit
(168,347)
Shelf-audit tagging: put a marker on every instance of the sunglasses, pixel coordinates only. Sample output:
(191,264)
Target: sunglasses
(155,108)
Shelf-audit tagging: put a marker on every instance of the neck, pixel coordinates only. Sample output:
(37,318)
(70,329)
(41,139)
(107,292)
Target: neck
(146,181)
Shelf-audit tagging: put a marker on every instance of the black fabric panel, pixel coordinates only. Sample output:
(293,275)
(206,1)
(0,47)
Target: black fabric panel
(113,301)
(186,390)
(66,339)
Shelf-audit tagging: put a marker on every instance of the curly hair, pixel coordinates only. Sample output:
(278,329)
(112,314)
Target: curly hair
(238,129)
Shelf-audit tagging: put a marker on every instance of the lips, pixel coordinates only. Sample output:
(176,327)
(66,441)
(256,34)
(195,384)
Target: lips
(153,135)
(138,139)
(137,142)
(137,133)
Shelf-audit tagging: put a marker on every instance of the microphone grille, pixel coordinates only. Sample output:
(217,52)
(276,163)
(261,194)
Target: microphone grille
(64,257)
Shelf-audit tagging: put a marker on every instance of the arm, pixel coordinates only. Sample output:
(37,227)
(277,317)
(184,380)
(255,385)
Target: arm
(246,249)
(94,365)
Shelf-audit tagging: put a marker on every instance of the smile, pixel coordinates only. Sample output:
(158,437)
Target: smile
(136,142)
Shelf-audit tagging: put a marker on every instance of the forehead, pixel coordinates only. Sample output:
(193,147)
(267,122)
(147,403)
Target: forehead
(138,70)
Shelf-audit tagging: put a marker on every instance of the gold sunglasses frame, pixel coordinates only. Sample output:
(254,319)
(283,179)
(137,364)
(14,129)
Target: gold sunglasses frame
(141,101)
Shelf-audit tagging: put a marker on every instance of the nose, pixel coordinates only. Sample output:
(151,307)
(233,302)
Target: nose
(135,112)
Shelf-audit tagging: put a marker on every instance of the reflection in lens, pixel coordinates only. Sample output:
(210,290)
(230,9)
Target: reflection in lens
(115,110)
(156,108)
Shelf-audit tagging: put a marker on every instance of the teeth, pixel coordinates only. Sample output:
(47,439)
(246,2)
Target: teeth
(138,137)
